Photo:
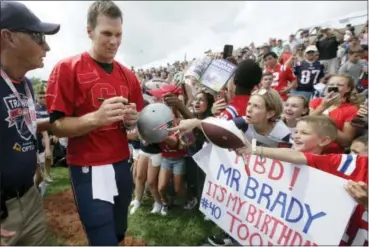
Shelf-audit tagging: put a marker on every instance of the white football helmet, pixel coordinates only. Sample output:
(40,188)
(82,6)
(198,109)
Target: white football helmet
(154,121)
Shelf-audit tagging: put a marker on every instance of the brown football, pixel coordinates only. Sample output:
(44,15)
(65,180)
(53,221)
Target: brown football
(222,133)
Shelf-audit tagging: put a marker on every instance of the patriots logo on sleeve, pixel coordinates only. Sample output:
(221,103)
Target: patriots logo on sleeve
(348,164)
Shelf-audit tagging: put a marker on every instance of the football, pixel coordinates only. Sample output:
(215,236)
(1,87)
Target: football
(223,133)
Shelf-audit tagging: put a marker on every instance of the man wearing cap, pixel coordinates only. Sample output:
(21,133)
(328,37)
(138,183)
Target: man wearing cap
(23,48)
(92,100)
(328,41)
(308,72)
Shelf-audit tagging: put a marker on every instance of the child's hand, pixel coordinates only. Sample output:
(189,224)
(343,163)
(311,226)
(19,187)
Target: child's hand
(359,191)
(330,99)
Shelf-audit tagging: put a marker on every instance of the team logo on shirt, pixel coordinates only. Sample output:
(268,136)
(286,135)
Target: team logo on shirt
(17,112)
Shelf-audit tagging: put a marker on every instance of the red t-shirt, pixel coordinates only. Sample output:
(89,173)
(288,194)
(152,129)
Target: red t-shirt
(74,87)
(281,76)
(355,168)
(236,107)
(285,57)
(340,115)
(169,152)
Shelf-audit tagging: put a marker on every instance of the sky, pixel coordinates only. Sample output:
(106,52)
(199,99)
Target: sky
(157,32)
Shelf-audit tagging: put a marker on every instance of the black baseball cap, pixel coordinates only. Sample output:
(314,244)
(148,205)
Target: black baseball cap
(16,16)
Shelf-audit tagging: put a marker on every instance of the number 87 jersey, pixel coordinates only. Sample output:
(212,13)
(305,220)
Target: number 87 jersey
(308,74)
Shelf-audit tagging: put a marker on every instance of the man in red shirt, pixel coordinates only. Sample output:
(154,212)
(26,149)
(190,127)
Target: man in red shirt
(92,100)
(247,76)
(283,78)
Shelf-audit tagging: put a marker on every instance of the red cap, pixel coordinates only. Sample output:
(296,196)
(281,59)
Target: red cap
(166,89)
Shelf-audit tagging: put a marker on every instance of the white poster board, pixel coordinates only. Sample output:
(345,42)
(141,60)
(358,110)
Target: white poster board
(279,204)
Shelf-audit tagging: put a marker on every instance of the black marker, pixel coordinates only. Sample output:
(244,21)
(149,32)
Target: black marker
(102,100)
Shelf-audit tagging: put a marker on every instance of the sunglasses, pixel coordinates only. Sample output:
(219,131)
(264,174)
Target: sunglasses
(260,91)
(39,38)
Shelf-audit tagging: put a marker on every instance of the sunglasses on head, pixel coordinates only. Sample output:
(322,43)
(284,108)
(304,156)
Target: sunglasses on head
(260,91)
(38,37)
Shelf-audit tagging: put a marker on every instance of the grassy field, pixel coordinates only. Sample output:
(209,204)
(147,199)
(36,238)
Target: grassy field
(180,227)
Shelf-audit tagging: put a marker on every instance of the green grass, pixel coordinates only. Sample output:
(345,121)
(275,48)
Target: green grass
(61,182)
(179,227)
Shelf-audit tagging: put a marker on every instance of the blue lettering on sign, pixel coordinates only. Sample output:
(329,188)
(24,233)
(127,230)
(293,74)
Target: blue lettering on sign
(215,211)
(231,175)
(279,200)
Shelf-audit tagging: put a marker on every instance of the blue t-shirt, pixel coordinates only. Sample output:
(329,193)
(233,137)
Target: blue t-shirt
(18,146)
(41,112)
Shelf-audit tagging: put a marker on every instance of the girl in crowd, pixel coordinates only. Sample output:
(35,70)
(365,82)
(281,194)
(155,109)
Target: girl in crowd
(339,103)
(195,177)
(262,120)
(295,107)
(146,168)
(174,152)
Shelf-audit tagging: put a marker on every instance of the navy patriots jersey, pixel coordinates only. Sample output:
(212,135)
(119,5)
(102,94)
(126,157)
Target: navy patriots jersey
(308,74)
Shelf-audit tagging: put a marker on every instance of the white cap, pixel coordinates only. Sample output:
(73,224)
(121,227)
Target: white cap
(311,48)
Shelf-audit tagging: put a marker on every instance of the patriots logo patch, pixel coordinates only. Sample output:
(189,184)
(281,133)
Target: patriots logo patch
(165,126)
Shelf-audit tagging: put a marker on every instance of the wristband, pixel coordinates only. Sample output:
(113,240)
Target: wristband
(253,146)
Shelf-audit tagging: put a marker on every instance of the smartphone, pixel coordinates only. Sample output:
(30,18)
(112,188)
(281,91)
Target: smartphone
(227,51)
(333,89)
(222,95)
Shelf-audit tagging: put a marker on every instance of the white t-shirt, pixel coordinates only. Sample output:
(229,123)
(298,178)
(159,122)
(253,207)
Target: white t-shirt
(280,133)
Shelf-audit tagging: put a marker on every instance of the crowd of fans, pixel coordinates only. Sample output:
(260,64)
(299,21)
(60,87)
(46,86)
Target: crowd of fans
(309,91)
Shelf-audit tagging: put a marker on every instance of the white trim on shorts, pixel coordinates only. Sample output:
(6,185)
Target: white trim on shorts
(40,158)
(155,158)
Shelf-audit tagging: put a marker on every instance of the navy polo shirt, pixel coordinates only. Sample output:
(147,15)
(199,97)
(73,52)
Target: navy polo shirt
(18,146)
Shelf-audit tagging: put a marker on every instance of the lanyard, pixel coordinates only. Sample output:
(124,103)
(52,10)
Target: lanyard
(30,115)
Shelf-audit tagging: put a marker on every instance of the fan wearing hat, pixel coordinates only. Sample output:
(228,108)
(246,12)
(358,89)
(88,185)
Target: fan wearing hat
(23,48)
(308,72)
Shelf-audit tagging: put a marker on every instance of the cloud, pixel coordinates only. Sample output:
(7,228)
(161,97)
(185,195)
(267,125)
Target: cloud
(158,32)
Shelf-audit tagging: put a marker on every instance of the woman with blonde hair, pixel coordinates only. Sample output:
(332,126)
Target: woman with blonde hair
(262,120)
(340,104)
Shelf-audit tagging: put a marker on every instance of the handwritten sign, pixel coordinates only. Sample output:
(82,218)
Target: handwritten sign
(279,204)
(217,74)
